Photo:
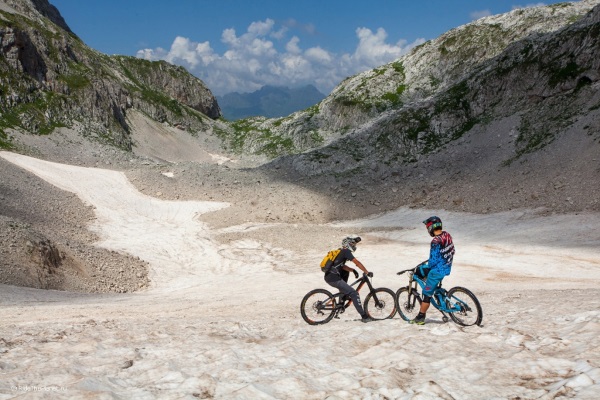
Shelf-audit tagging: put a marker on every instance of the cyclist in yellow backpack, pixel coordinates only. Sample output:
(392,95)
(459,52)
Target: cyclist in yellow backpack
(334,276)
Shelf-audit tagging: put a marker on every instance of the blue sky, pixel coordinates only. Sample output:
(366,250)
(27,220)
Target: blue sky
(242,45)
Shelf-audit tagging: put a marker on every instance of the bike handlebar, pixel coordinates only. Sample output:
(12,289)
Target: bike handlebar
(406,270)
(412,269)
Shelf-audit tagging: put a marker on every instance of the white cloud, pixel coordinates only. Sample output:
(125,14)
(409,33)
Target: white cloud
(264,56)
(261,28)
(372,50)
(183,49)
(530,5)
(292,46)
(318,55)
(228,36)
(480,14)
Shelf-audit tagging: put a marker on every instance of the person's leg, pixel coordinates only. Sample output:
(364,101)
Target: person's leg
(345,275)
(349,290)
(433,279)
(425,305)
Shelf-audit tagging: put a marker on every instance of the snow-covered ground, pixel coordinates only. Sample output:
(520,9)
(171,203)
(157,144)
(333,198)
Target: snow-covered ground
(222,318)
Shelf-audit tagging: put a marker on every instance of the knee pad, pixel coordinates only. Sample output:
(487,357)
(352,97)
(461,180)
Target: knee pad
(427,299)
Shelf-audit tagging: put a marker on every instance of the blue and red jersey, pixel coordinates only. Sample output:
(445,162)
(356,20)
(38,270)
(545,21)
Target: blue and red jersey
(441,253)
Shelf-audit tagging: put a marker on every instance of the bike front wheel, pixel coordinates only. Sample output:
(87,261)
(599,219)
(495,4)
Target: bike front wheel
(408,304)
(380,304)
(317,307)
(464,306)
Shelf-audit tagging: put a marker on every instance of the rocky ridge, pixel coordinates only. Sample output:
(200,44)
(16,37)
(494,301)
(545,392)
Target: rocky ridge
(49,78)
(432,69)
(547,82)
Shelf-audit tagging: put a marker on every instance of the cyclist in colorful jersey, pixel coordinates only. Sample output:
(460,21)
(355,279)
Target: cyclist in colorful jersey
(335,275)
(437,267)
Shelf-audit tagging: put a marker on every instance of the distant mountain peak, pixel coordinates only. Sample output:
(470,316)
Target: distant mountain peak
(269,101)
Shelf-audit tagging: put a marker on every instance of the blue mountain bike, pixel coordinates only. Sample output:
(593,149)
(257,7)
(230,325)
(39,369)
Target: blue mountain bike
(459,303)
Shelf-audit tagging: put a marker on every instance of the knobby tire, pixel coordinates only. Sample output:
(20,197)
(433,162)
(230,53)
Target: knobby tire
(408,305)
(470,312)
(384,307)
(318,307)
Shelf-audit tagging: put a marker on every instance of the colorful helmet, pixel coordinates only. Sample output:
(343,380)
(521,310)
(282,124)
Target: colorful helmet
(350,242)
(432,224)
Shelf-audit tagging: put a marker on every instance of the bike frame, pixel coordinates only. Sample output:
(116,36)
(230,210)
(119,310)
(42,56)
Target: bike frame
(447,302)
(439,294)
(361,282)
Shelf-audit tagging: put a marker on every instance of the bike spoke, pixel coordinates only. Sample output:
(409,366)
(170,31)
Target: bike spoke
(408,304)
(465,306)
(317,307)
(380,304)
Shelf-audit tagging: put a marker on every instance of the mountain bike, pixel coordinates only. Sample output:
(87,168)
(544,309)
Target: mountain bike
(320,306)
(459,303)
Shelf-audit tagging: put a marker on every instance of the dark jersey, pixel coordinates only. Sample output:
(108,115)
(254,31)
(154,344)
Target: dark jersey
(342,257)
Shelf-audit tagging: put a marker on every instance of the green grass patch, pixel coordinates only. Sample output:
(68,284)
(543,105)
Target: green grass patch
(398,67)
(5,143)
(269,144)
(158,98)
(455,98)
(41,116)
(75,81)
(275,145)
(316,138)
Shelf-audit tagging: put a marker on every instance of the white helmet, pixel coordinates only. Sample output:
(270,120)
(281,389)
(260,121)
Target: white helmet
(350,242)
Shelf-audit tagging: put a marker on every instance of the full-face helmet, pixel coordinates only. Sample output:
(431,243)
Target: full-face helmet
(432,224)
(350,242)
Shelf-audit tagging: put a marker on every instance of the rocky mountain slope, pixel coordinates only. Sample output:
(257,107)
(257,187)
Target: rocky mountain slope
(545,81)
(49,79)
(412,92)
(514,126)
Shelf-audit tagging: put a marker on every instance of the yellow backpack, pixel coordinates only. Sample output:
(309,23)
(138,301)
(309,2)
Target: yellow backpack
(328,260)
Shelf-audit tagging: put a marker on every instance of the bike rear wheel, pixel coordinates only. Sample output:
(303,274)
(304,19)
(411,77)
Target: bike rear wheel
(383,307)
(318,307)
(408,305)
(466,308)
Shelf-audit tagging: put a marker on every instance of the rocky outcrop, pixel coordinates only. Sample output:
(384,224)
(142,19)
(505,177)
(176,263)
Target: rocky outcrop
(49,78)
(35,9)
(546,82)
(427,78)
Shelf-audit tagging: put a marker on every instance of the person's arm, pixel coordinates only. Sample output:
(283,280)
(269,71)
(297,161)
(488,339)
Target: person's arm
(360,265)
(349,269)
